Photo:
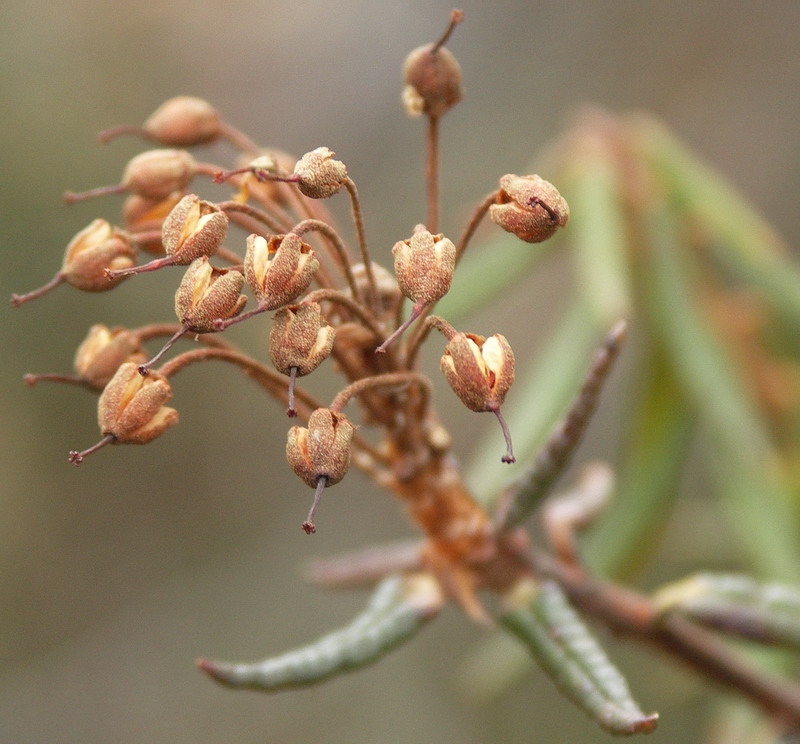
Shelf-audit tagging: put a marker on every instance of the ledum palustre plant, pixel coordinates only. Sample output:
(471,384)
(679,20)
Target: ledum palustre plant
(662,250)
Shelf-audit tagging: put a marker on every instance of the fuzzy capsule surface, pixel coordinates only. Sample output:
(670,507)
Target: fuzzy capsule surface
(97,247)
(155,174)
(322,449)
(132,408)
(206,294)
(184,121)
(319,175)
(102,353)
(479,370)
(300,338)
(424,266)
(529,207)
(279,269)
(433,81)
(193,228)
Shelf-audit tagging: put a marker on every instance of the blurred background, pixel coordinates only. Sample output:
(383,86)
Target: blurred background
(114,577)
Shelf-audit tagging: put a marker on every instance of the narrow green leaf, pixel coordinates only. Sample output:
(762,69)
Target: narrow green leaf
(652,461)
(562,645)
(752,485)
(398,609)
(537,401)
(741,239)
(597,231)
(733,603)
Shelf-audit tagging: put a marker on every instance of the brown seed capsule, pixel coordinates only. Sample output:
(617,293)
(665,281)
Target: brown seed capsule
(155,174)
(183,121)
(192,229)
(529,207)
(319,175)
(432,78)
(388,290)
(424,265)
(280,269)
(322,449)
(102,353)
(206,294)
(93,250)
(142,215)
(300,338)
(320,454)
(480,371)
(132,408)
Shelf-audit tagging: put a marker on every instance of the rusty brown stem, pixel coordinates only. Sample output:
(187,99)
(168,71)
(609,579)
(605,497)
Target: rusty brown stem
(340,252)
(358,220)
(432,173)
(389,379)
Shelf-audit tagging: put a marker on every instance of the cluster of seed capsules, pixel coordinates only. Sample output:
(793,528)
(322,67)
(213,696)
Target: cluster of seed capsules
(277,200)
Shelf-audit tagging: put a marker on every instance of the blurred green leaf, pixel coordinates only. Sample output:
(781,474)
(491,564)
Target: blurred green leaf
(740,238)
(557,638)
(394,615)
(591,185)
(768,613)
(652,462)
(752,486)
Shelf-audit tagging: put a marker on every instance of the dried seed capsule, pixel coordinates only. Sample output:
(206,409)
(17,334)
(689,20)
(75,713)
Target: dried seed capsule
(529,207)
(132,408)
(300,340)
(183,121)
(320,454)
(192,229)
(102,353)
(279,269)
(424,265)
(206,293)
(433,81)
(155,174)
(480,371)
(388,290)
(93,250)
(319,175)
(142,215)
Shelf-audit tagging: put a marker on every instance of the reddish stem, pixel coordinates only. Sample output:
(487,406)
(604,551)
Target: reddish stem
(76,458)
(17,300)
(416,311)
(70,197)
(308,525)
(144,369)
(155,264)
(108,134)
